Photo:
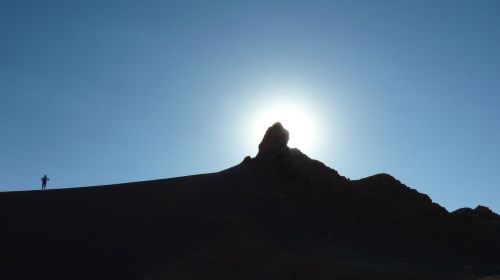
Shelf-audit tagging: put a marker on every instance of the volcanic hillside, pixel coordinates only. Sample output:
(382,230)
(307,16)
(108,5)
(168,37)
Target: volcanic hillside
(279,215)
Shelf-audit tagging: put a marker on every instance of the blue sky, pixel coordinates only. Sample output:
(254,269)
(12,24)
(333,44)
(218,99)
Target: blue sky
(99,92)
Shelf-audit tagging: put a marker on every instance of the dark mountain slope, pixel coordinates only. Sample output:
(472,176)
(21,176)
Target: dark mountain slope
(279,215)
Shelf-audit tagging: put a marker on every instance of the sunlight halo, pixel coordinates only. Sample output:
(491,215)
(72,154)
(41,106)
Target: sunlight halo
(297,118)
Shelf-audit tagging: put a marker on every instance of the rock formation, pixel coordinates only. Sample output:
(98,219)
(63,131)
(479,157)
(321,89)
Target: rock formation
(274,142)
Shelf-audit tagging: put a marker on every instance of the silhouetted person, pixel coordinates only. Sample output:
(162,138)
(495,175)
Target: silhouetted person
(44,182)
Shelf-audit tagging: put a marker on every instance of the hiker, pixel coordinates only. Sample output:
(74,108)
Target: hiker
(44,182)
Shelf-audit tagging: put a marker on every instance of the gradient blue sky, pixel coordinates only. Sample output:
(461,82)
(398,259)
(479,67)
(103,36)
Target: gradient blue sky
(99,92)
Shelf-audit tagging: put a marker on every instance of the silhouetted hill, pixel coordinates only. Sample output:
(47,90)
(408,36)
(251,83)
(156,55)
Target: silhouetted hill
(280,215)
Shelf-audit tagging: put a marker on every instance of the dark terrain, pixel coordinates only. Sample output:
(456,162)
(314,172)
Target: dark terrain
(280,215)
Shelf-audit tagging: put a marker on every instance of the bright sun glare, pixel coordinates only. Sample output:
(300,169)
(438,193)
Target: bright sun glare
(296,119)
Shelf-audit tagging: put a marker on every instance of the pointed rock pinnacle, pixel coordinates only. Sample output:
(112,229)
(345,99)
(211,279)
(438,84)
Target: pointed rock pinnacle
(274,142)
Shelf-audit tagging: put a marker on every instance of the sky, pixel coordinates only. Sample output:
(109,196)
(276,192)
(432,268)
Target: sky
(101,92)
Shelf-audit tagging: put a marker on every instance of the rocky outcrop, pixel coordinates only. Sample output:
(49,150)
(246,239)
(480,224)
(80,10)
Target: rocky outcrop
(377,213)
(479,213)
(481,216)
(274,142)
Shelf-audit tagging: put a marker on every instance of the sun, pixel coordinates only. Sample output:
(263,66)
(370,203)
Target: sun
(295,117)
